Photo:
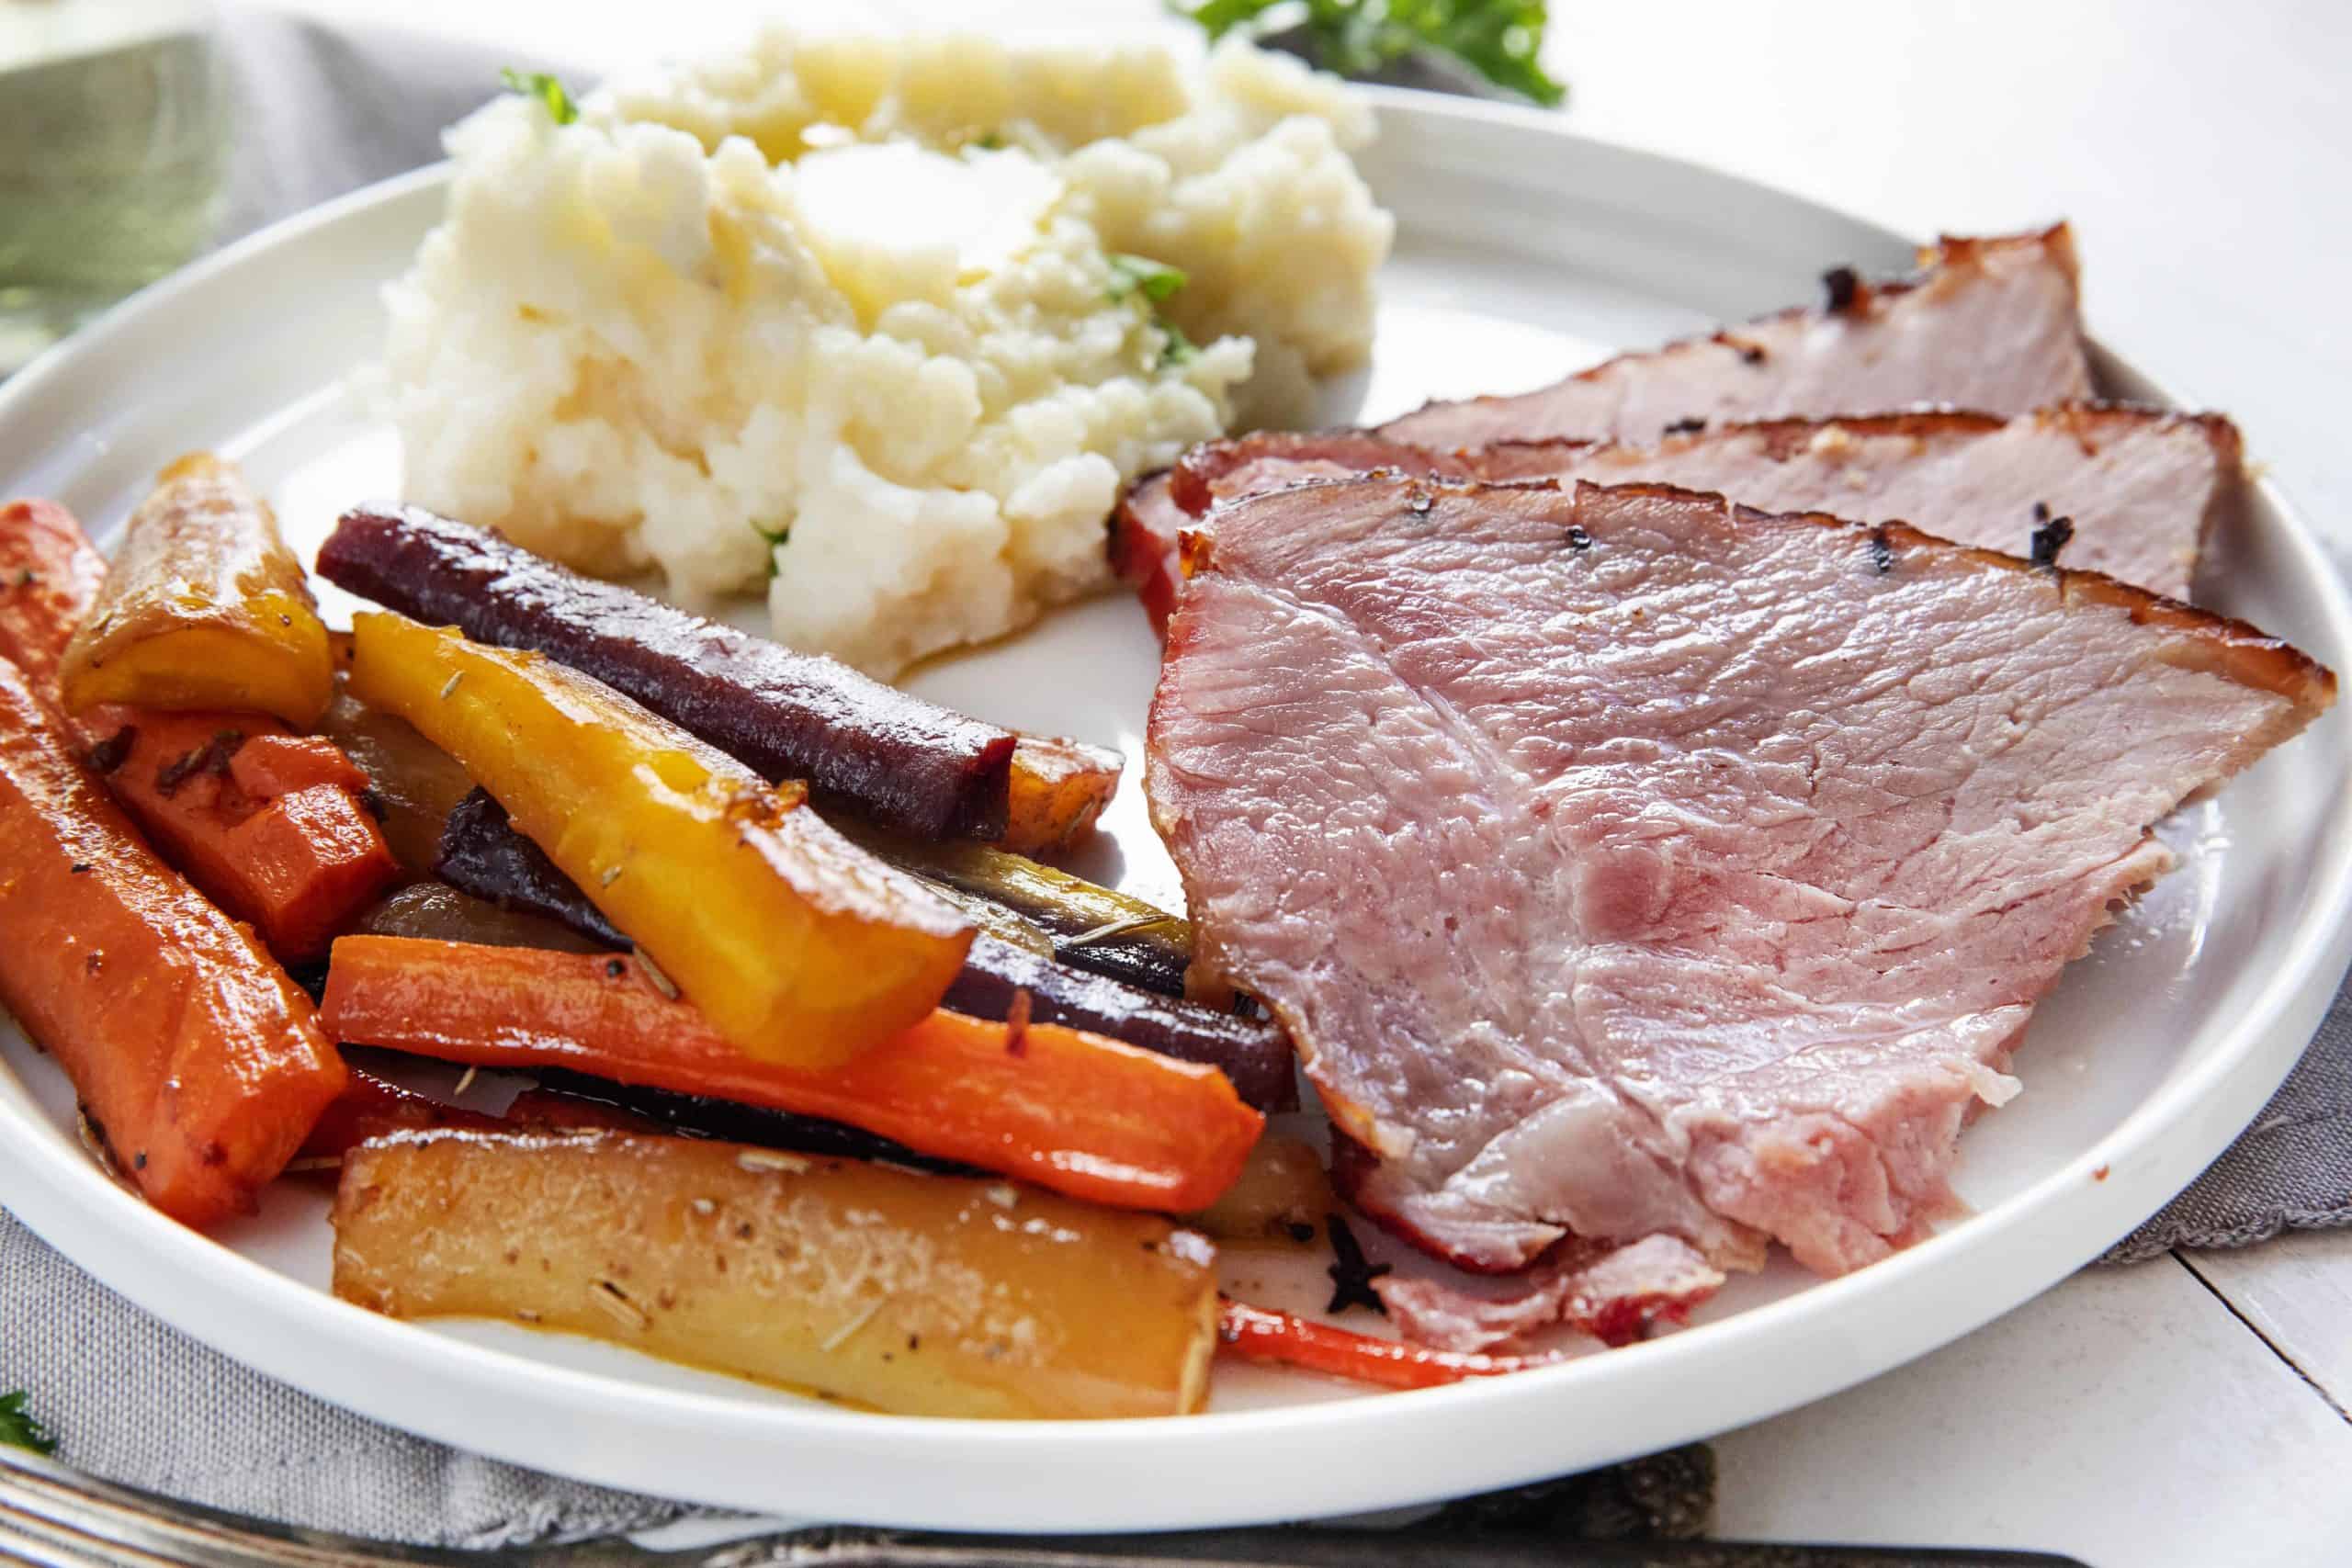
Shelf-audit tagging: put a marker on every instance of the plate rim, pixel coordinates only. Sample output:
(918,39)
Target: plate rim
(1082,1475)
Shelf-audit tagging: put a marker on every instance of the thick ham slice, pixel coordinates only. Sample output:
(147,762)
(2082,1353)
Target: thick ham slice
(2140,488)
(1626,862)
(1987,323)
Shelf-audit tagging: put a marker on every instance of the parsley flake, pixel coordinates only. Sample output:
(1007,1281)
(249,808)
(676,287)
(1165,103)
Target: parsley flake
(19,1428)
(1179,349)
(1141,275)
(546,89)
(776,538)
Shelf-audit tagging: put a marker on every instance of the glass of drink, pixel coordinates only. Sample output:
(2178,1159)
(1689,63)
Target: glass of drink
(114,137)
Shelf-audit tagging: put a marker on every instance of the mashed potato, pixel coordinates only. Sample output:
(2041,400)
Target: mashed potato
(882,325)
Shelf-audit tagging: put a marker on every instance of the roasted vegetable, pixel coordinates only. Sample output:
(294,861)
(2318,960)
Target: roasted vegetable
(1283,1194)
(49,575)
(1279,1340)
(205,607)
(1056,791)
(1066,1109)
(442,913)
(1254,1054)
(414,783)
(795,945)
(1091,927)
(784,715)
(370,1107)
(269,824)
(700,1116)
(921,1294)
(196,1058)
(482,853)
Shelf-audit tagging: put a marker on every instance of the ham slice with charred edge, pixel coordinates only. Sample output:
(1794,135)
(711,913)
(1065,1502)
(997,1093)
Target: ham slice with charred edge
(1626,862)
(2140,490)
(1986,323)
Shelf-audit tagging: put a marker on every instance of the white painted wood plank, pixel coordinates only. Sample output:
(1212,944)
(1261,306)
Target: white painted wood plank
(2126,1418)
(2297,1293)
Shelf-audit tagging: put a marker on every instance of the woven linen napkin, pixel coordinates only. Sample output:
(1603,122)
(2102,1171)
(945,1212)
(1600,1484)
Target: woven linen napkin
(134,1400)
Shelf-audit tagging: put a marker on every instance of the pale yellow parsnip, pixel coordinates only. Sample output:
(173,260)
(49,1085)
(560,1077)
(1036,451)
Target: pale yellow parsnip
(921,1294)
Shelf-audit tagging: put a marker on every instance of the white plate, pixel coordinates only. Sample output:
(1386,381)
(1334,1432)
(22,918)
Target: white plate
(1522,251)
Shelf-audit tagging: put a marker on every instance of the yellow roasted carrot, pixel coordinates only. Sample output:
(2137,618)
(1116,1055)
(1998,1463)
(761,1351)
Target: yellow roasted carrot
(797,946)
(928,1295)
(205,607)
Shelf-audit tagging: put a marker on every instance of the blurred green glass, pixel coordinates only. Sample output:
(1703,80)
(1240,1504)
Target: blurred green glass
(114,136)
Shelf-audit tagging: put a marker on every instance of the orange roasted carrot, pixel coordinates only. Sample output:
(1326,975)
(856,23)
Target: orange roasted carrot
(200,1064)
(1279,1340)
(49,577)
(1075,1113)
(269,823)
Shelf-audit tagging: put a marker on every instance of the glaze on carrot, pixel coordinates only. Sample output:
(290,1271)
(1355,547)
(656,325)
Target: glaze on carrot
(270,824)
(1072,1112)
(198,1062)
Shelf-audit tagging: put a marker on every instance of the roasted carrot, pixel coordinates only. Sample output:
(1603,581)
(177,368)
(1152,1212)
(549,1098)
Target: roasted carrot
(1279,1340)
(1075,1113)
(1056,790)
(48,576)
(205,608)
(369,1107)
(200,1064)
(794,943)
(269,824)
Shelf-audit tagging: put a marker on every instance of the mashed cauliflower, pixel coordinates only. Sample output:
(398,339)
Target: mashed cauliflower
(883,325)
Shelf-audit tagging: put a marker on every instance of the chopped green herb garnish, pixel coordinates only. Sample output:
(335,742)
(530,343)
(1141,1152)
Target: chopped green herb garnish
(991,142)
(776,538)
(1141,275)
(1498,39)
(19,1428)
(1180,349)
(546,89)
(1153,283)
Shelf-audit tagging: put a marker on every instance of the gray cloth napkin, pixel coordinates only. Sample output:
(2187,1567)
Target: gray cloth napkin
(134,1400)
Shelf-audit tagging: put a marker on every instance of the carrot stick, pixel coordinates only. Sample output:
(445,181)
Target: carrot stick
(200,1064)
(268,823)
(369,1107)
(1279,1340)
(49,577)
(1075,1113)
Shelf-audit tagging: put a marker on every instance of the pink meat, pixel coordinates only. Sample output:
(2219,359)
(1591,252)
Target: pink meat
(1617,1294)
(1987,324)
(1626,862)
(2142,489)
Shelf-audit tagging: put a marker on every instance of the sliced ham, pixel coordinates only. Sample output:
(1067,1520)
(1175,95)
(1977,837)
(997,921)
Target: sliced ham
(1987,323)
(2140,488)
(1617,1294)
(1626,862)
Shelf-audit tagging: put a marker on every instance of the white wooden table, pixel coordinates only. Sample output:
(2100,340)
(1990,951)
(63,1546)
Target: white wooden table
(2192,1410)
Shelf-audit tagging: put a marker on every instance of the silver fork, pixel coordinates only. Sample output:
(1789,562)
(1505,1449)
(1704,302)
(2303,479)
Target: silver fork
(54,1517)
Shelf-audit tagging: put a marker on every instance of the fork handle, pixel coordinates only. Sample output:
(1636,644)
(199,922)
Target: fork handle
(54,1517)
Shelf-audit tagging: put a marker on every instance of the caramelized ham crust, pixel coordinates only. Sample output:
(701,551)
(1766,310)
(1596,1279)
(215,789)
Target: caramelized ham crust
(1626,862)
(1987,323)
